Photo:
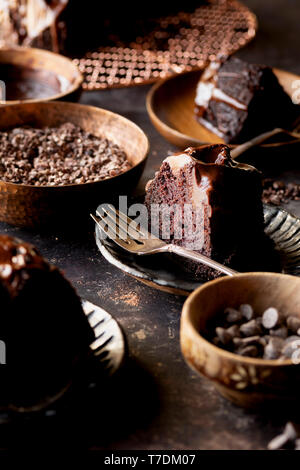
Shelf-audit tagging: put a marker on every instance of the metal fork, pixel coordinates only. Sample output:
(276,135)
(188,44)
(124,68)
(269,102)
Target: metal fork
(137,240)
(237,151)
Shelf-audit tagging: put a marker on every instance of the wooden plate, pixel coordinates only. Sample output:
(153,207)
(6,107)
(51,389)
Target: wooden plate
(161,272)
(170,105)
(41,64)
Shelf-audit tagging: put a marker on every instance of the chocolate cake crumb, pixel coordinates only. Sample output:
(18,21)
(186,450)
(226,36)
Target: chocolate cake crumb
(57,156)
(277,192)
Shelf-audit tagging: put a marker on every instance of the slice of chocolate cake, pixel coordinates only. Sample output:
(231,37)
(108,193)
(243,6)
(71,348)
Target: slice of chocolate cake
(211,205)
(42,327)
(237,101)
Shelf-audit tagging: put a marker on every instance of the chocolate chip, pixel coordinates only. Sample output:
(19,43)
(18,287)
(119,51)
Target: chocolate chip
(216,341)
(291,346)
(273,348)
(291,339)
(293,323)
(250,351)
(290,431)
(234,331)
(247,341)
(281,332)
(297,444)
(247,311)
(223,335)
(250,328)
(270,318)
(233,315)
(264,340)
(289,434)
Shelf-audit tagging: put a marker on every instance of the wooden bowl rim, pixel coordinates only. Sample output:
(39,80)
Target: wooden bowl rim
(75,85)
(179,135)
(92,109)
(185,319)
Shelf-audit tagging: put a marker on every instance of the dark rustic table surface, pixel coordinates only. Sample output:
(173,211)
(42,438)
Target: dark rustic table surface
(155,401)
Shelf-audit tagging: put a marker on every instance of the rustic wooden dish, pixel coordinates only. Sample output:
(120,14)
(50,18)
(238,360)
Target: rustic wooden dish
(44,64)
(246,381)
(26,205)
(170,105)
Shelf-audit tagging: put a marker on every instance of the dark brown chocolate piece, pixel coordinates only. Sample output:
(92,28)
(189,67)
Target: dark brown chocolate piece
(238,101)
(227,213)
(42,325)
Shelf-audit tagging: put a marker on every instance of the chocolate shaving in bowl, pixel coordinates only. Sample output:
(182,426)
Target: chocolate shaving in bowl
(278,192)
(57,156)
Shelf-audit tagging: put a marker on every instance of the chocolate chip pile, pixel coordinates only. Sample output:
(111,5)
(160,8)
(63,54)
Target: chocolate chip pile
(57,156)
(278,192)
(267,336)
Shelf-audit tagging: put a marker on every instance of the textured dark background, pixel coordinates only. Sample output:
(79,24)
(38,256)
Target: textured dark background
(156,401)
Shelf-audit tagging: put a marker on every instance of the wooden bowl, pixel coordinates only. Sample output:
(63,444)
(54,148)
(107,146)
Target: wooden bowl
(33,75)
(170,105)
(26,205)
(247,382)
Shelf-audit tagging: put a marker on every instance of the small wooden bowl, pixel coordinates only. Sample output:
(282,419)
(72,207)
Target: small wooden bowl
(55,75)
(31,206)
(247,382)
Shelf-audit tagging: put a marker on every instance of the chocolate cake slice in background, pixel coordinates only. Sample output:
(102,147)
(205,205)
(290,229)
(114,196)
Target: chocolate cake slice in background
(226,209)
(42,324)
(237,101)
(73,27)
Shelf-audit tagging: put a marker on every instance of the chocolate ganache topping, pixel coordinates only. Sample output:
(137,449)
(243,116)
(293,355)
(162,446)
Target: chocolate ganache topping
(213,202)
(209,163)
(17,259)
(42,324)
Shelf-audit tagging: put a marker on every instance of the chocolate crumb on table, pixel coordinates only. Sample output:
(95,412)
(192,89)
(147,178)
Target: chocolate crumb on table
(278,192)
(290,438)
(57,156)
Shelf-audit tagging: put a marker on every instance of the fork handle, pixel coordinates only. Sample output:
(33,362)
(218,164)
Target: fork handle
(236,152)
(194,256)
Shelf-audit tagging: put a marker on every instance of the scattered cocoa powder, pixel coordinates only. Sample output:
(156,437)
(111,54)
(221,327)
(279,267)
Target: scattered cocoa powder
(130,298)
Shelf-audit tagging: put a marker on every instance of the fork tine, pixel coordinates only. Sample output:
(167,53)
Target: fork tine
(142,231)
(112,222)
(110,233)
(112,228)
(130,231)
(120,235)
